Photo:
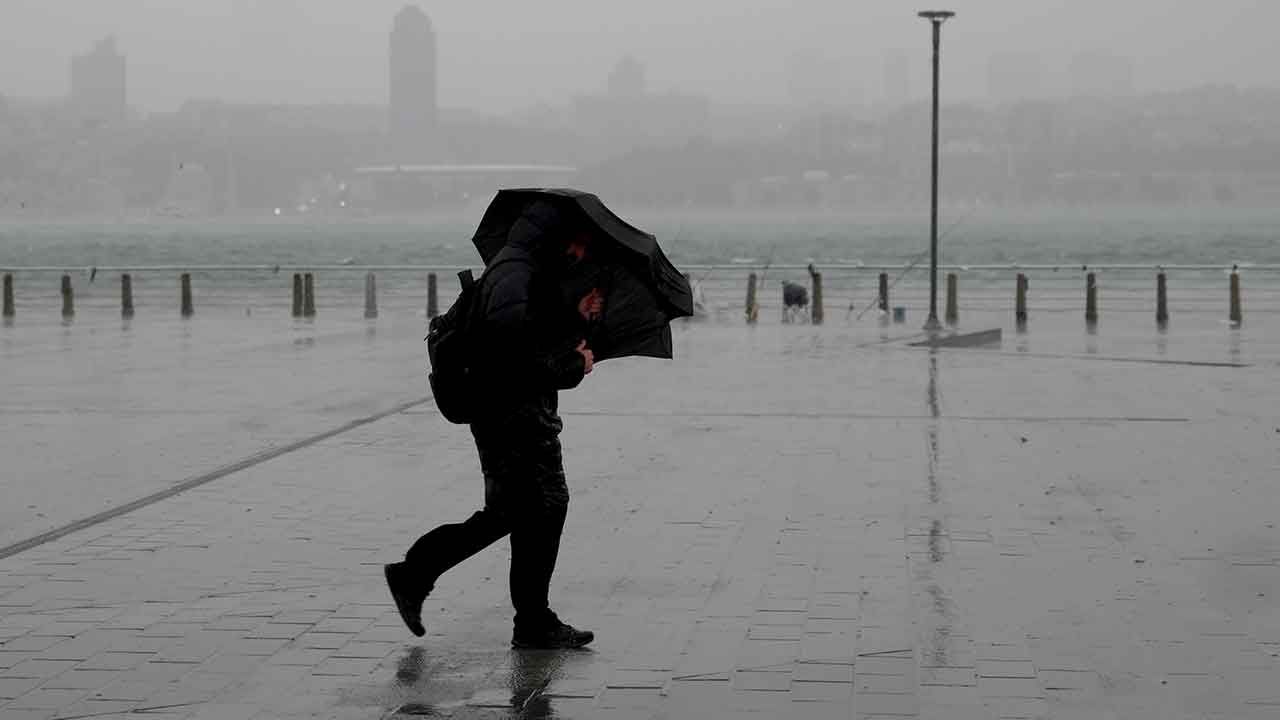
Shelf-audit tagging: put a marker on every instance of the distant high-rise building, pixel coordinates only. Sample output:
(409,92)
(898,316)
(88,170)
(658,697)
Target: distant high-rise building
(98,83)
(627,79)
(897,78)
(1101,75)
(627,115)
(413,83)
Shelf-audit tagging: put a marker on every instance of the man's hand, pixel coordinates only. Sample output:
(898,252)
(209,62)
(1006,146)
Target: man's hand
(592,305)
(588,357)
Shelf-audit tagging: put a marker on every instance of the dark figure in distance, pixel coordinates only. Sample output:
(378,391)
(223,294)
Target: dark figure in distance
(795,300)
(532,314)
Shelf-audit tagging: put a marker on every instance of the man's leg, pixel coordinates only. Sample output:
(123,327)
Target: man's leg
(535,545)
(448,545)
(434,553)
(444,547)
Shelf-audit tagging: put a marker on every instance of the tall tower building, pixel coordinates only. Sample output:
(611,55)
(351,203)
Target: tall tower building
(413,83)
(98,83)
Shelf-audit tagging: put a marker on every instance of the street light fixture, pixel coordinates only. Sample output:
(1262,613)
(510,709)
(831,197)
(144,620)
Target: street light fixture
(936,17)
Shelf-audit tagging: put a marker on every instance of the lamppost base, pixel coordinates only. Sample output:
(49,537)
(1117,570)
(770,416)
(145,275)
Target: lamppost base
(932,326)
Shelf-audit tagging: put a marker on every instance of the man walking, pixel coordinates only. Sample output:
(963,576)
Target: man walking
(534,303)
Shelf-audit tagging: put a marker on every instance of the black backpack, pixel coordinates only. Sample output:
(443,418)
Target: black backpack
(449,348)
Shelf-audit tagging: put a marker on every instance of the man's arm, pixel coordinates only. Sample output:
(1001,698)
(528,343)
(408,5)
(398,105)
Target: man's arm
(511,332)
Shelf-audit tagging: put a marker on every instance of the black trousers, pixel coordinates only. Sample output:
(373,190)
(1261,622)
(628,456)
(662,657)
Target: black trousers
(525,496)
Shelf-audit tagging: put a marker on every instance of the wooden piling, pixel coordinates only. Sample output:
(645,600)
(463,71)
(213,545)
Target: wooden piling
(187,308)
(68,298)
(1020,304)
(816,307)
(126,295)
(1236,313)
(753,310)
(433,296)
(370,296)
(8,295)
(1091,299)
(308,295)
(297,295)
(952,314)
(1162,301)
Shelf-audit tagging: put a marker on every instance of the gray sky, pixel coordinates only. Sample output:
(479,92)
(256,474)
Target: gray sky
(504,55)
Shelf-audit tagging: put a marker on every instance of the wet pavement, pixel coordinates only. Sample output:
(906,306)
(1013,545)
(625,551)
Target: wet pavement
(788,521)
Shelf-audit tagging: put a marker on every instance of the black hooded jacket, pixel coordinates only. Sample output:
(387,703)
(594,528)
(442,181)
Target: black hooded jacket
(527,329)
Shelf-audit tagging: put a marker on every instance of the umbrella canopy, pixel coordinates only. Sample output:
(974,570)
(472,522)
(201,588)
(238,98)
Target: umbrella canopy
(643,291)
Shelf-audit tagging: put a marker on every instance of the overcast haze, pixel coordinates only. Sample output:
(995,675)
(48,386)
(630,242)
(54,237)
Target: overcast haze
(502,56)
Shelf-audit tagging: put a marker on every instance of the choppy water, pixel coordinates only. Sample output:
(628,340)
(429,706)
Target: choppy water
(1168,236)
(1214,236)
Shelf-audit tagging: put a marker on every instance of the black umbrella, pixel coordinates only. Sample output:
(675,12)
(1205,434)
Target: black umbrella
(643,291)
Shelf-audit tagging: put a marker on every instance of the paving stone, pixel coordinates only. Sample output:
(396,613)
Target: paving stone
(821,672)
(1010,687)
(63,629)
(226,711)
(629,698)
(93,708)
(276,631)
(43,669)
(882,665)
(885,704)
(307,657)
(83,679)
(638,679)
(10,658)
(884,683)
(46,699)
(371,650)
(344,625)
(32,643)
(822,692)
(762,681)
(955,677)
(12,687)
(1018,708)
(12,713)
(346,667)
(1006,669)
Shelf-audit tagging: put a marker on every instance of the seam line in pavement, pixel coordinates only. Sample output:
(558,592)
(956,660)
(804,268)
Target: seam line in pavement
(766,415)
(1121,359)
(194,482)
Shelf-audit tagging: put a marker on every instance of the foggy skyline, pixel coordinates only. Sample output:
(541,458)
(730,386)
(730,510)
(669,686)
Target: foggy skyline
(325,51)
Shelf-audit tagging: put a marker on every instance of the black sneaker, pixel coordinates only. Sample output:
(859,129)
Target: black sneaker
(408,597)
(557,637)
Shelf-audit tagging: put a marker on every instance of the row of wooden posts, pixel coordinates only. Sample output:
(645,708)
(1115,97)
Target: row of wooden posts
(304,298)
(1235,311)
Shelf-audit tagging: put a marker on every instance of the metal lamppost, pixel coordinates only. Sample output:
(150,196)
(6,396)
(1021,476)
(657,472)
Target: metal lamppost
(936,17)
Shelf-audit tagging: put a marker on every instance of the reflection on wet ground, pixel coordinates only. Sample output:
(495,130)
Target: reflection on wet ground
(934,606)
(519,686)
